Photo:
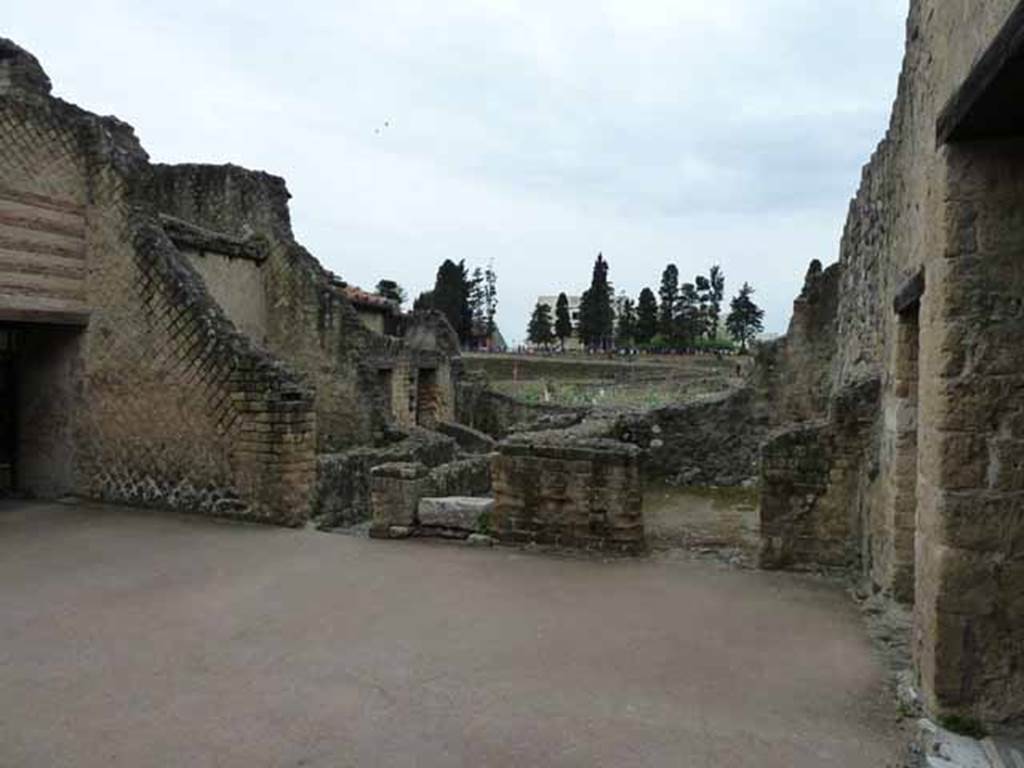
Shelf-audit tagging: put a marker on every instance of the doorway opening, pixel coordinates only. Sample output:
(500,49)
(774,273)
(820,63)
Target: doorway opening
(903,523)
(39,381)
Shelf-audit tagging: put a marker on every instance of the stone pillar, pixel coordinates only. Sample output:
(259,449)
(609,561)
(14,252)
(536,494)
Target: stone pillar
(969,602)
(585,494)
(395,492)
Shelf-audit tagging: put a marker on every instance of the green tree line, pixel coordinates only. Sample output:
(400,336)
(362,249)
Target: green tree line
(682,316)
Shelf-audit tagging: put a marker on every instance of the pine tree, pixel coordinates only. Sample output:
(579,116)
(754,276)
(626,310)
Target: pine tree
(389,289)
(625,328)
(563,320)
(746,319)
(477,308)
(490,298)
(597,318)
(451,298)
(717,279)
(424,301)
(669,295)
(647,317)
(703,286)
(688,320)
(539,330)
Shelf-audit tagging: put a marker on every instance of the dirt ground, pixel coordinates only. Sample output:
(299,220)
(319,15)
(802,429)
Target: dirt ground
(133,638)
(720,521)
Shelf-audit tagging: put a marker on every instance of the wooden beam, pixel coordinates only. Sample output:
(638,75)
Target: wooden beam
(985,105)
(44,317)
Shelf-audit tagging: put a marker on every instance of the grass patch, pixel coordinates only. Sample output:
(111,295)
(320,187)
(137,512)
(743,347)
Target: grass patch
(587,394)
(484,523)
(964,726)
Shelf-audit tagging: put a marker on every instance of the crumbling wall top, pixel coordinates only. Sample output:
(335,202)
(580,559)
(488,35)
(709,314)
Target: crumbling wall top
(21,74)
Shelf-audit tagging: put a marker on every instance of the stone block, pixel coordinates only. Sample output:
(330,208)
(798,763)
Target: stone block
(455,512)
(395,492)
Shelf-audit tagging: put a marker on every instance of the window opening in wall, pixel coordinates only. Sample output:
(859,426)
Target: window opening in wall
(426,397)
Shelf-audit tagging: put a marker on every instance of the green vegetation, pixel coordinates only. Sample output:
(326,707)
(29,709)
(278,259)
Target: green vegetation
(637,395)
(563,322)
(964,726)
(389,289)
(684,317)
(468,302)
(540,332)
(597,317)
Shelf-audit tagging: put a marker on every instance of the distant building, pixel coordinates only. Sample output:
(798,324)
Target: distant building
(378,313)
(574,316)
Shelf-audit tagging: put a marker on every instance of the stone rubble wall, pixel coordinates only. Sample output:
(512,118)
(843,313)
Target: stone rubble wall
(343,487)
(172,407)
(936,492)
(396,489)
(580,494)
(499,415)
(309,323)
(712,442)
(810,474)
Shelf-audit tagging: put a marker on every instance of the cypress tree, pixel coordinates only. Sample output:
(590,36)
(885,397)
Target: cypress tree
(647,317)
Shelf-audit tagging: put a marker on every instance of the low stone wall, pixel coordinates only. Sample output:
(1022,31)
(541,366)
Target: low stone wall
(713,442)
(499,415)
(811,481)
(396,488)
(343,495)
(469,440)
(466,477)
(585,494)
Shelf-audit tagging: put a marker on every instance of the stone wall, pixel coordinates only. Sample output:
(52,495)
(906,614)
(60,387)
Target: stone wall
(363,380)
(929,289)
(795,372)
(810,475)
(712,442)
(396,489)
(343,487)
(499,415)
(210,356)
(585,494)
(168,404)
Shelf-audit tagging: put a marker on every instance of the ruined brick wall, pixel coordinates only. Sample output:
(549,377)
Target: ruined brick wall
(585,494)
(712,442)
(800,385)
(938,494)
(480,407)
(362,379)
(171,405)
(811,476)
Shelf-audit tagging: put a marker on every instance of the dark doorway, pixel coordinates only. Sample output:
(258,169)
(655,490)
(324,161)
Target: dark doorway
(39,383)
(8,411)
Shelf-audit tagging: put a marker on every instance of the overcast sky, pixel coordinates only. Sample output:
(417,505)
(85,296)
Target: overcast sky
(532,133)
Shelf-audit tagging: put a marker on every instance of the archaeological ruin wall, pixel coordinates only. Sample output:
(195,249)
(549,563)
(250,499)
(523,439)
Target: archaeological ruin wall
(363,380)
(555,490)
(930,315)
(202,358)
(163,401)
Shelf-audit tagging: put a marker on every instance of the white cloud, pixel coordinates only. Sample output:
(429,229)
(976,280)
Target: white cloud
(531,132)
